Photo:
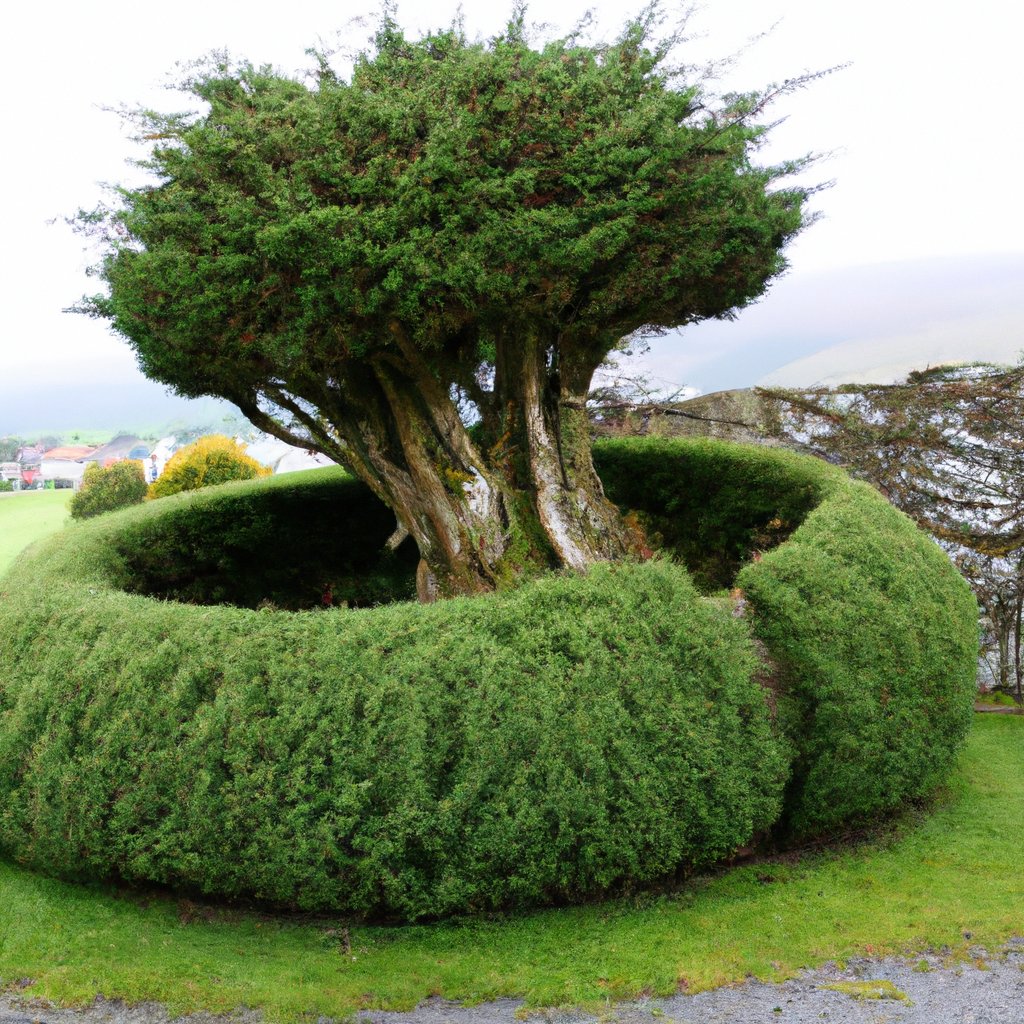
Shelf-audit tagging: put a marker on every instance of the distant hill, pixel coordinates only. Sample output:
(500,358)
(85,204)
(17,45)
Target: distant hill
(136,406)
(888,358)
(856,325)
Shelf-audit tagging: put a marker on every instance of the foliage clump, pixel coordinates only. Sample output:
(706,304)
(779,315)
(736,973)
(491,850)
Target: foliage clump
(567,739)
(871,631)
(109,488)
(211,460)
(576,736)
(874,634)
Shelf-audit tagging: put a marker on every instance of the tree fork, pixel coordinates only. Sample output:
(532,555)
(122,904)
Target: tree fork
(442,493)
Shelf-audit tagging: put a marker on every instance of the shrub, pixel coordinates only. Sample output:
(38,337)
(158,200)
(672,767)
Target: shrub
(108,489)
(871,632)
(549,744)
(573,737)
(213,459)
(875,635)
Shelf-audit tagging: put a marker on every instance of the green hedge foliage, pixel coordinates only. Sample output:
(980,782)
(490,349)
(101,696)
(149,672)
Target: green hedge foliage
(870,632)
(299,541)
(108,488)
(712,505)
(876,638)
(578,736)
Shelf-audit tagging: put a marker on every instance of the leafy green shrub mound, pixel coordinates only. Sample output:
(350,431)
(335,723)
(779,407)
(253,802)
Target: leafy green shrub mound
(876,637)
(871,632)
(108,488)
(550,744)
(305,540)
(574,737)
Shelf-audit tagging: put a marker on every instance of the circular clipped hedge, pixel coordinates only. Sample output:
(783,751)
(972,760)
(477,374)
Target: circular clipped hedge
(806,660)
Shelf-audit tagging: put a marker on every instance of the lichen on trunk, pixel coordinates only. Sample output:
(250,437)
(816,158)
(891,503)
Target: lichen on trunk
(486,507)
(544,407)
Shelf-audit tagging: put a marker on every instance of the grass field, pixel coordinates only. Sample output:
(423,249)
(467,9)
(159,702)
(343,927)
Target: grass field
(934,880)
(26,516)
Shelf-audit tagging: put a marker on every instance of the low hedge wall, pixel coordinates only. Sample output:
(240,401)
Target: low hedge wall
(299,541)
(870,631)
(573,737)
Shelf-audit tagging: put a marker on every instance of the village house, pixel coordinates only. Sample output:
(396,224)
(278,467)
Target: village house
(65,465)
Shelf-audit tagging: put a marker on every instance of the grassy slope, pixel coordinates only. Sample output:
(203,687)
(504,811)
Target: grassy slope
(952,872)
(27,516)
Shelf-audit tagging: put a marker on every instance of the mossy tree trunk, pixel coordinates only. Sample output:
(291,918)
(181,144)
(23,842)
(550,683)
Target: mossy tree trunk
(522,497)
(539,403)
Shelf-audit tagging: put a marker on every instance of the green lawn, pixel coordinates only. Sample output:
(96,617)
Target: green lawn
(954,871)
(26,516)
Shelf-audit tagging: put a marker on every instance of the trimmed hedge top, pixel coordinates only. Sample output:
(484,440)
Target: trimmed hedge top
(567,739)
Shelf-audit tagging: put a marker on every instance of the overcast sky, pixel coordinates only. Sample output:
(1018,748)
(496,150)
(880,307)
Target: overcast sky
(923,125)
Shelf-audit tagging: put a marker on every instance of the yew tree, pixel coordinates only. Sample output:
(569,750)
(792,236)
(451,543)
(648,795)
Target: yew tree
(458,232)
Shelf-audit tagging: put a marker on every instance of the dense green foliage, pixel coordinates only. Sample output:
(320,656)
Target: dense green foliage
(870,629)
(485,220)
(211,460)
(299,541)
(948,880)
(711,505)
(108,488)
(558,741)
(875,636)
(452,185)
(549,744)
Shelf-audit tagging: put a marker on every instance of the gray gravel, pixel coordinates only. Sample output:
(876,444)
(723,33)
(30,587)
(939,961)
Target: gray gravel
(989,990)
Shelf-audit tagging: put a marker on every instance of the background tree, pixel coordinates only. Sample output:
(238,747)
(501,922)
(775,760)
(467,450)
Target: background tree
(210,460)
(947,447)
(108,488)
(460,225)
(9,447)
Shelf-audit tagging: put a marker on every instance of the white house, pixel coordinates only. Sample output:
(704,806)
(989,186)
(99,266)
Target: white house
(284,458)
(64,465)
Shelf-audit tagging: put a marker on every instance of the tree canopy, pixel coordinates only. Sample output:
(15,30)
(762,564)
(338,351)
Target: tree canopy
(457,225)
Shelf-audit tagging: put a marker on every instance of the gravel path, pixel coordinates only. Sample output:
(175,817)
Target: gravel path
(990,990)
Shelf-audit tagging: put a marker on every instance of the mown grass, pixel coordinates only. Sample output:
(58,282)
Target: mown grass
(26,517)
(994,698)
(929,883)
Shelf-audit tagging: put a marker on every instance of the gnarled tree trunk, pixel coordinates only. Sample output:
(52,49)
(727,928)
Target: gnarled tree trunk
(544,417)
(482,514)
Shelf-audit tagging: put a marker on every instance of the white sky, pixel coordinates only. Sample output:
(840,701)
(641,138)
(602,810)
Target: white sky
(925,125)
